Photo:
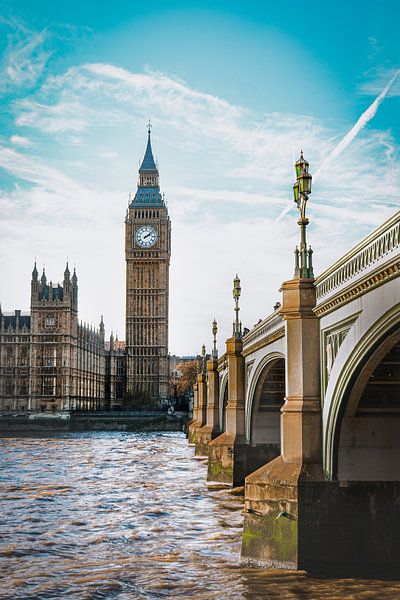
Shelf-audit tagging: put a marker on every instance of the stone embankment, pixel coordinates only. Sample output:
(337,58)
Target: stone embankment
(95,421)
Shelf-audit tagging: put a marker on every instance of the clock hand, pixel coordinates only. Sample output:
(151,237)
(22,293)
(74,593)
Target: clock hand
(146,236)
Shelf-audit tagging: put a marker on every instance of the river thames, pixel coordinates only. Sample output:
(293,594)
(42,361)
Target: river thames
(129,516)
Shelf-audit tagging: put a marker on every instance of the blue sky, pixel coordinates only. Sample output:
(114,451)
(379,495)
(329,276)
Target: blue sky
(234,90)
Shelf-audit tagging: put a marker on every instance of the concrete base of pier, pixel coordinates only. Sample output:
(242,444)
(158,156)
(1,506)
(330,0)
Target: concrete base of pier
(204,436)
(295,521)
(192,432)
(231,459)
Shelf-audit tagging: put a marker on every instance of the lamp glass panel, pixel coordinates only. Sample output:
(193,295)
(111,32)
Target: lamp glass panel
(296,192)
(305,183)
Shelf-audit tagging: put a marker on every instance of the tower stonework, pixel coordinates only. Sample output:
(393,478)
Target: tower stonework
(147,254)
(67,358)
(54,328)
(49,362)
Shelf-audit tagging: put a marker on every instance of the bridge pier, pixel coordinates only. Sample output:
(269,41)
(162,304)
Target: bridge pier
(212,428)
(194,424)
(202,413)
(230,458)
(274,531)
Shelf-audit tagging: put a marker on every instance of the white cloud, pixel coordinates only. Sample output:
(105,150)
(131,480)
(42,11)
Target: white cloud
(19,140)
(227,173)
(25,58)
(257,146)
(377,78)
(361,122)
(359,125)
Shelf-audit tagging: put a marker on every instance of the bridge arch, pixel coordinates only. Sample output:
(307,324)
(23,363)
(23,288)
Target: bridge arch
(362,438)
(223,401)
(264,400)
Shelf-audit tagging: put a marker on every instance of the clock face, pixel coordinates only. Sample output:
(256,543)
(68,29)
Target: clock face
(146,236)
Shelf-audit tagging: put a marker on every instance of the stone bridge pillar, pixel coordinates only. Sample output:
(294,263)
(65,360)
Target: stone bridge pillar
(202,411)
(301,413)
(225,457)
(276,493)
(211,429)
(194,424)
(236,389)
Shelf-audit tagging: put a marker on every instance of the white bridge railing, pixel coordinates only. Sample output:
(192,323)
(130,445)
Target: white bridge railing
(262,330)
(378,248)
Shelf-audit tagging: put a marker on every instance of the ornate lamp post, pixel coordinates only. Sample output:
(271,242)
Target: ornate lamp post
(214,332)
(301,191)
(203,354)
(237,326)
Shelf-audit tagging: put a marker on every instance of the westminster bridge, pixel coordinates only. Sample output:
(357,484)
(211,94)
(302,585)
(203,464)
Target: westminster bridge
(304,410)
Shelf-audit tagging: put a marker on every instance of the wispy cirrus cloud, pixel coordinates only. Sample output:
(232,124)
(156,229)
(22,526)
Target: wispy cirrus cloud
(227,172)
(361,122)
(376,80)
(25,61)
(25,57)
(359,125)
(246,148)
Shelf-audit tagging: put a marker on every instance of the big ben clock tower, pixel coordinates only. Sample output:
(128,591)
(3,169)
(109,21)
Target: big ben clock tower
(147,254)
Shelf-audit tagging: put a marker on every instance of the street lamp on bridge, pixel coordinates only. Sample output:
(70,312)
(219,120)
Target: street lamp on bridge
(214,332)
(237,326)
(301,191)
(203,362)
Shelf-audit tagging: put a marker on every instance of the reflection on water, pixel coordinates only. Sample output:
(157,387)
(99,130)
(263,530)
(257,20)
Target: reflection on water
(125,515)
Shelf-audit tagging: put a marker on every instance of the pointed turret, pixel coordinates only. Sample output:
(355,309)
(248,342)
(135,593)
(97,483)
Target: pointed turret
(34,283)
(148,192)
(112,341)
(74,289)
(43,279)
(35,274)
(101,327)
(148,163)
(67,274)
(67,281)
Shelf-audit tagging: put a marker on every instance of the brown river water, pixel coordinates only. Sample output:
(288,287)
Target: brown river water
(129,516)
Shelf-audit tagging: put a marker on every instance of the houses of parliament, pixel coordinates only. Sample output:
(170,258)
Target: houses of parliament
(49,361)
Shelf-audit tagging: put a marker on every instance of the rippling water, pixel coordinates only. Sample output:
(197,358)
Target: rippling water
(126,516)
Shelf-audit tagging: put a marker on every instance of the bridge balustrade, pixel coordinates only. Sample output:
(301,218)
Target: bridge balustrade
(377,249)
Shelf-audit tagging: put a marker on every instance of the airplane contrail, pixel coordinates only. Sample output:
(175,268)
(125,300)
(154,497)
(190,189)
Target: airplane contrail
(367,115)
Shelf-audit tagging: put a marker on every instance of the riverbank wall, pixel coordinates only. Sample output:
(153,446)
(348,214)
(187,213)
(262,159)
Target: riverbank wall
(96,421)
